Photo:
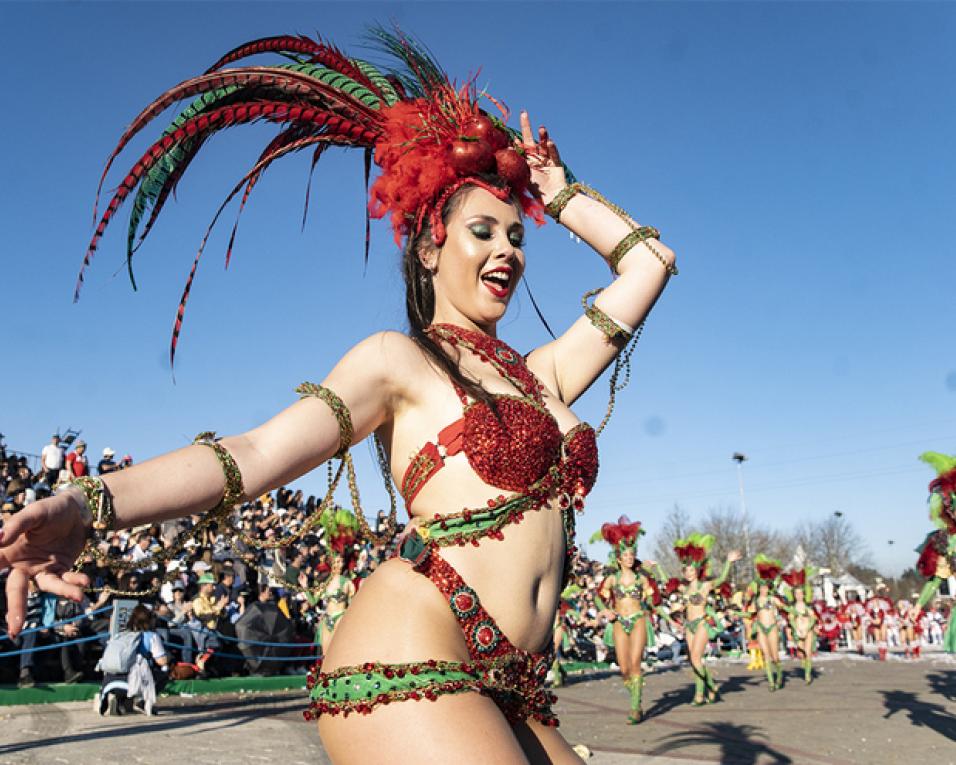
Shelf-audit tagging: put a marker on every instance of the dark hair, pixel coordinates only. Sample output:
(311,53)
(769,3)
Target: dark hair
(140,620)
(420,295)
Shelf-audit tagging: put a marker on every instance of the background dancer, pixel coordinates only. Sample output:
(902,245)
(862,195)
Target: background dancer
(462,619)
(909,628)
(937,553)
(628,598)
(341,530)
(801,617)
(694,554)
(878,609)
(765,604)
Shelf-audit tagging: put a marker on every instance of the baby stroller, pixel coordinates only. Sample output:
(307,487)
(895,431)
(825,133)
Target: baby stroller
(132,679)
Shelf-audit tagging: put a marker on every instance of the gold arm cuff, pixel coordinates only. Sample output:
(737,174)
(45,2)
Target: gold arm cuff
(98,501)
(638,235)
(602,321)
(233,491)
(339,409)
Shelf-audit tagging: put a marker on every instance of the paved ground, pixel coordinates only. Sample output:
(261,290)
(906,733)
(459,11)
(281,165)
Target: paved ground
(857,712)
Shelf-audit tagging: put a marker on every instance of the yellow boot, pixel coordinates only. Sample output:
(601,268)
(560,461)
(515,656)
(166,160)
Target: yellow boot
(756,659)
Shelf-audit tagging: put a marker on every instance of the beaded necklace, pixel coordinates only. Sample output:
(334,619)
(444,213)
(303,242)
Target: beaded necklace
(506,361)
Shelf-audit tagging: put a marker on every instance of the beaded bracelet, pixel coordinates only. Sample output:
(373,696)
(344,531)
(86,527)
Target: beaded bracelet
(611,328)
(339,409)
(233,492)
(556,206)
(98,500)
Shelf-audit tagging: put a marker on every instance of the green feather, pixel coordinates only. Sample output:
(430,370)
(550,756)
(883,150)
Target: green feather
(338,81)
(942,463)
(378,79)
(152,184)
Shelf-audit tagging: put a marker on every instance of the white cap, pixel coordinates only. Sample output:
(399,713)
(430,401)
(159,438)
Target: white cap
(107,452)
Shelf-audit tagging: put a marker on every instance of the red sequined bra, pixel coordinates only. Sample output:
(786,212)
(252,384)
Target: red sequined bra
(520,450)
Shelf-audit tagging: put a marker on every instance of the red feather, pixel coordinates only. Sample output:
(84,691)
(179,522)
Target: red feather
(278,44)
(217,119)
(291,83)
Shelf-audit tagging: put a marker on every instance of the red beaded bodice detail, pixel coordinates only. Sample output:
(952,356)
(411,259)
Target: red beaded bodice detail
(515,449)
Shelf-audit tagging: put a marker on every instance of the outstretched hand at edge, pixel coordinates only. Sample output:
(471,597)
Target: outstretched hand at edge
(41,543)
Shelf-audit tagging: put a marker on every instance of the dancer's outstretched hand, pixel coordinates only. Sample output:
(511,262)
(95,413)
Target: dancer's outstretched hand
(41,543)
(734,555)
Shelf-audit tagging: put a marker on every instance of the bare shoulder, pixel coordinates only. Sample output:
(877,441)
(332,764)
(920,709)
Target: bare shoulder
(383,357)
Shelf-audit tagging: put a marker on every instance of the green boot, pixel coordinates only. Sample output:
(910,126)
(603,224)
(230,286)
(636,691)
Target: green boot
(779,668)
(768,668)
(699,699)
(635,686)
(710,684)
(808,671)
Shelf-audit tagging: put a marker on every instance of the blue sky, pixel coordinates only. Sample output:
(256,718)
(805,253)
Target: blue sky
(798,157)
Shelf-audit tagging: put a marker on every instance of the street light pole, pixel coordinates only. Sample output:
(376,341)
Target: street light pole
(740,458)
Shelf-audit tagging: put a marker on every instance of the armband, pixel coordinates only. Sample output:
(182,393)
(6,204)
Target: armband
(233,490)
(339,409)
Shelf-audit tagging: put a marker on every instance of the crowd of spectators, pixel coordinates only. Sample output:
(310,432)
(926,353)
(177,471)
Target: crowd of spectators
(212,578)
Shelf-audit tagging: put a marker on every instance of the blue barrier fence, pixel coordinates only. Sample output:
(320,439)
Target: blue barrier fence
(51,646)
(79,618)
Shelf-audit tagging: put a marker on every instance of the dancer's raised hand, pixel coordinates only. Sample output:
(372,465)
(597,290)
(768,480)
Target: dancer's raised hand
(547,172)
(41,543)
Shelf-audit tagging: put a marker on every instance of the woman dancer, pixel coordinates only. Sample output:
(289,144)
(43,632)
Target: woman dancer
(499,436)
(628,598)
(693,552)
(341,531)
(765,605)
(909,628)
(937,558)
(877,611)
(854,614)
(337,592)
(801,617)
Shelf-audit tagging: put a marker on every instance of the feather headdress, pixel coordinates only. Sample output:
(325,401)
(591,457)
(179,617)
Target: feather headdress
(429,136)
(767,569)
(799,578)
(694,549)
(942,497)
(621,535)
(341,529)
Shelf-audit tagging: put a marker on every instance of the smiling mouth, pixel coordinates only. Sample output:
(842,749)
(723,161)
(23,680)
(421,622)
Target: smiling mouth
(497,282)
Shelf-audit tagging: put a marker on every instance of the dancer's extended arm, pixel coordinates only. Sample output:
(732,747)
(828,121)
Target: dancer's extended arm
(43,540)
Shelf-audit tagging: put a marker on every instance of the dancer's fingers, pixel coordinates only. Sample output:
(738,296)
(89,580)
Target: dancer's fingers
(22,522)
(526,135)
(52,583)
(76,577)
(18,585)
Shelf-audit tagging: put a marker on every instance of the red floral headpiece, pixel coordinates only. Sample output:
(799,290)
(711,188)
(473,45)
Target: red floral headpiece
(767,572)
(671,586)
(622,534)
(429,136)
(795,578)
(945,486)
(932,549)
